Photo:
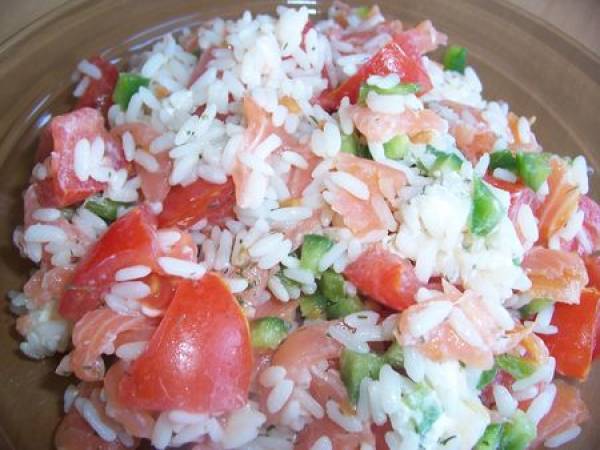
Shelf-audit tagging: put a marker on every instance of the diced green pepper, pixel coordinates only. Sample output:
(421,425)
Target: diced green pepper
(534,307)
(331,285)
(446,162)
(515,365)
(486,377)
(313,249)
(503,159)
(394,356)
(426,408)
(486,210)
(350,144)
(105,208)
(355,367)
(533,168)
(518,433)
(491,439)
(268,332)
(344,306)
(313,307)
(399,89)
(127,85)
(455,58)
(362,11)
(396,147)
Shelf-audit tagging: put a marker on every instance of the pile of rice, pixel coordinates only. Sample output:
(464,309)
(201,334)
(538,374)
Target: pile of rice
(269,59)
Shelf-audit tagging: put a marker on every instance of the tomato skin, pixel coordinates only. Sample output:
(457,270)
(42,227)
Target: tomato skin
(162,290)
(62,187)
(395,57)
(386,278)
(99,93)
(131,240)
(573,345)
(186,205)
(199,359)
(592,264)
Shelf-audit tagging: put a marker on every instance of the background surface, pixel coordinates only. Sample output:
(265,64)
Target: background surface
(580,19)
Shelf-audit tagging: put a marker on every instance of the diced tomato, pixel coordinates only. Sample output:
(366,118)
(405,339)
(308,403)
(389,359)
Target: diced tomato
(62,187)
(199,359)
(186,205)
(99,92)
(555,274)
(573,345)
(162,290)
(568,410)
(400,58)
(592,264)
(131,240)
(45,144)
(560,203)
(136,422)
(385,277)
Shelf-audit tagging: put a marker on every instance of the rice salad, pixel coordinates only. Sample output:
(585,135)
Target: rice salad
(273,232)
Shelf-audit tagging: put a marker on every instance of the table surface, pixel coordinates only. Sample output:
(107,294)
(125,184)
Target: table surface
(578,18)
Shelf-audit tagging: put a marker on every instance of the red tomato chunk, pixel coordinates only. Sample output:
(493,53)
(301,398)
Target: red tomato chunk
(385,277)
(62,187)
(129,241)
(186,205)
(199,359)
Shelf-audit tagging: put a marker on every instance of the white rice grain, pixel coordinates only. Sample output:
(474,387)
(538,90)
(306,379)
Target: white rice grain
(277,288)
(46,214)
(302,276)
(128,146)
(44,233)
(560,439)
(182,268)
(505,403)
(279,395)
(89,69)
(351,184)
(323,443)
(82,159)
(541,405)
(352,424)
(426,319)
(146,160)
(132,273)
